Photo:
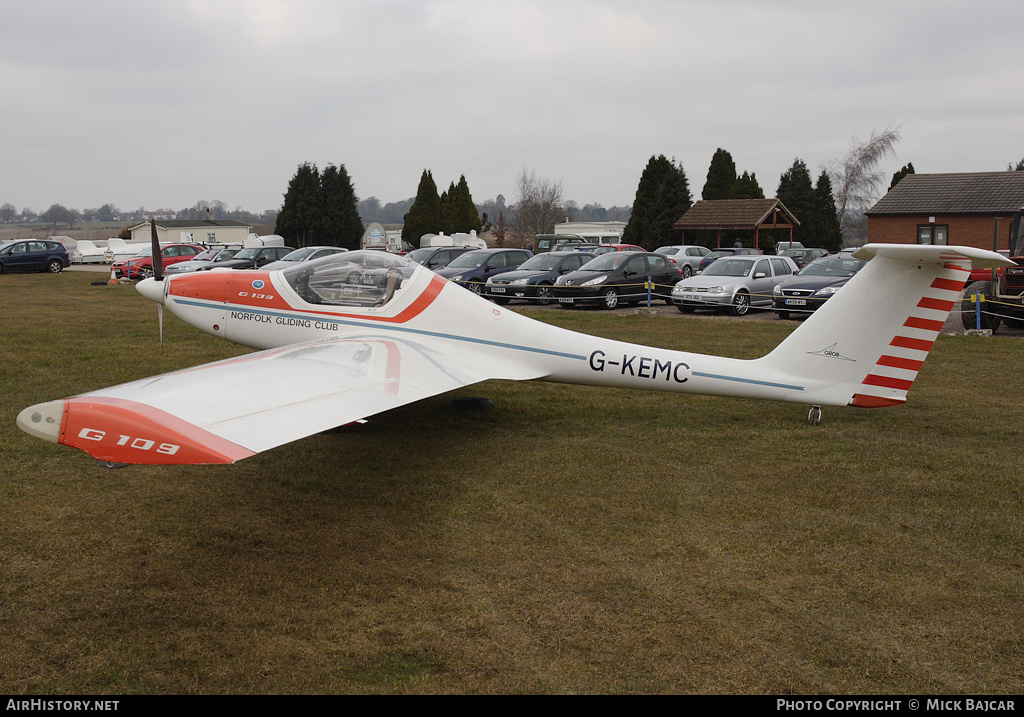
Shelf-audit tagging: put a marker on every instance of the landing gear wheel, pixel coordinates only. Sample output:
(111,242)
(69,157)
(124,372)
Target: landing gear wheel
(814,416)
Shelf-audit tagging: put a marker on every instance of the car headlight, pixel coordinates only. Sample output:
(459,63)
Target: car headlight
(777,290)
(716,289)
(827,291)
(520,282)
(457,277)
(595,281)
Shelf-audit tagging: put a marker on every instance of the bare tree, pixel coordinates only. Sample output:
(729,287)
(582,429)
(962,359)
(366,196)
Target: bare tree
(856,182)
(539,206)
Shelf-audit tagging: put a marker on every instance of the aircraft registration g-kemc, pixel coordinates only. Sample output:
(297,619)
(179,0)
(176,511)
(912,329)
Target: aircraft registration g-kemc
(368,331)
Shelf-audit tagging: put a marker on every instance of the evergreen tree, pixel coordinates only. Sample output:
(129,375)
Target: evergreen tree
(825,219)
(299,217)
(907,169)
(424,216)
(340,224)
(746,187)
(721,176)
(797,193)
(448,220)
(467,216)
(662,196)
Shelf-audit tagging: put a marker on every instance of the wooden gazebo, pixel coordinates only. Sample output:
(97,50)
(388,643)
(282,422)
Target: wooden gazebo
(730,214)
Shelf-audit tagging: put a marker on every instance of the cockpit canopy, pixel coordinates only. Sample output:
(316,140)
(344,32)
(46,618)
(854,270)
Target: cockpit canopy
(366,279)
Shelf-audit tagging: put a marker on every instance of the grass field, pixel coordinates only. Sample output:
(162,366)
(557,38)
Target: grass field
(568,540)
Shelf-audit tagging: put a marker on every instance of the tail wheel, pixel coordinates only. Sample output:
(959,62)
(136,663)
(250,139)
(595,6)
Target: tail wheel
(968,308)
(740,304)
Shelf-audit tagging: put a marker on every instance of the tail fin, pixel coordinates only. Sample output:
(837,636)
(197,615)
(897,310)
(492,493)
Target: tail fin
(865,345)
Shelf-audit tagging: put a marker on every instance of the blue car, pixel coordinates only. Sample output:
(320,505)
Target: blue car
(474,268)
(34,255)
(534,279)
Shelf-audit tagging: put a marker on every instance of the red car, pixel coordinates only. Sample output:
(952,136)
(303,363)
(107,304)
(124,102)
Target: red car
(140,266)
(605,248)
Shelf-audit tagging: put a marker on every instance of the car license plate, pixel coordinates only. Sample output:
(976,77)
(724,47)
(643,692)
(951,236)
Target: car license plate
(796,302)
(691,297)
(565,300)
(498,289)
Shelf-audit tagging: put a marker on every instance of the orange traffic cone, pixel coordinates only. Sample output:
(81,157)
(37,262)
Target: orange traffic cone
(113,277)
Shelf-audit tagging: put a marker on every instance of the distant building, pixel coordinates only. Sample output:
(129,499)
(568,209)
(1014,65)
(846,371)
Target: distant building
(594,232)
(949,209)
(198,231)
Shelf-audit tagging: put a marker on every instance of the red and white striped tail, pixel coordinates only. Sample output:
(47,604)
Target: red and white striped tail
(890,379)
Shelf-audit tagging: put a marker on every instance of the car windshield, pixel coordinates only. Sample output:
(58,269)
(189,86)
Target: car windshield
(354,278)
(666,250)
(225,254)
(839,267)
(207,255)
(541,262)
(729,267)
(246,254)
(606,262)
(299,254)
(469,260)
(148,251)
(419,255)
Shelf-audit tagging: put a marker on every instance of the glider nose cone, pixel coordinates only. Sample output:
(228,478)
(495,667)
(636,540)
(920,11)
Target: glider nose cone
(42,420)
(152,289)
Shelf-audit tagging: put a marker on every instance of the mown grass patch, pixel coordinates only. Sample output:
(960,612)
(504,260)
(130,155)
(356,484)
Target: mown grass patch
(570,539)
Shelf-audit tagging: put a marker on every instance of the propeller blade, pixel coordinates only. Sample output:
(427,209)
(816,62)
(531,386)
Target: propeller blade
(158,262)
(160,320)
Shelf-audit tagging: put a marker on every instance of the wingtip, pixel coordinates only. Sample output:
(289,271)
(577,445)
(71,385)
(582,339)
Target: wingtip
(43,420)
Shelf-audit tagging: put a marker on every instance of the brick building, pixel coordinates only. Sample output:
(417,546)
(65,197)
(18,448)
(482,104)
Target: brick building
(948,209)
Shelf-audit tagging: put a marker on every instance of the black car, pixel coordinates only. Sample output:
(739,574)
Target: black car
(534,279)
(802,257)
(34,255)
(436,257)
(627,276)
(816,282)
(252,258)
(474,268)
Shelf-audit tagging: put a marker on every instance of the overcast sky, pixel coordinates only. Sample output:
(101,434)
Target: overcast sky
(163,103)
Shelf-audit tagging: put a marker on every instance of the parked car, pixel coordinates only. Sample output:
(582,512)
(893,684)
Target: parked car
(786,246)
(815,284)
(734,283)
(252,258)
(437,257)
(686,256)
(140,266)
(205,258)
(617,277)
(711,256)
(605,248)
(473,268)
(535,277)
(34,255)
(802,257)
(306,253)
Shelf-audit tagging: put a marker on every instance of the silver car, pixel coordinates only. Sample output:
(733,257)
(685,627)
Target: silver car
(686,256)
(206,258)
(733,283)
